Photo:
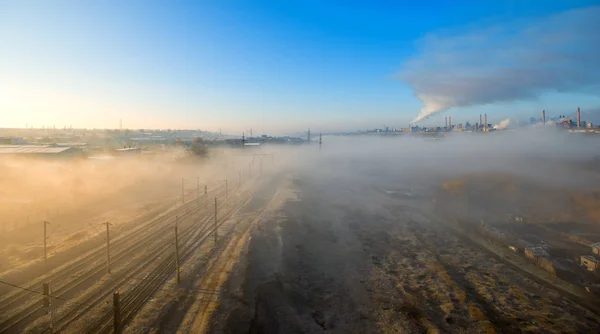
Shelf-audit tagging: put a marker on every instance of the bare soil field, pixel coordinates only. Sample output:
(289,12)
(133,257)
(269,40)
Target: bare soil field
(366,256)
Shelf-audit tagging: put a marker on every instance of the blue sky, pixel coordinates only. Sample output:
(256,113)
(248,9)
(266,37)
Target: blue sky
(274,66)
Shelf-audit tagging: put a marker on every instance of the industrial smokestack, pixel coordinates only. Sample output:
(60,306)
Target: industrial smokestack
(450,122)
(578,118)
(543,117)
(485,120)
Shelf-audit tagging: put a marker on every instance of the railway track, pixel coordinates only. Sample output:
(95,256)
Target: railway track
(137,297)
(122,249)
(472,239)
(96,298)
(11,301)
(212,280)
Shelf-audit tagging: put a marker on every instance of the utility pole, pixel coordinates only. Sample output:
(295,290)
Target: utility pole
(107,249)
(116,313)
(320,141)
(45,244)
(177,250)
(46,292)
(215,232)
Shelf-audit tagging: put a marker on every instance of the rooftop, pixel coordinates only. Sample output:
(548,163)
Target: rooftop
(589,258)
(31,149)
(538,251)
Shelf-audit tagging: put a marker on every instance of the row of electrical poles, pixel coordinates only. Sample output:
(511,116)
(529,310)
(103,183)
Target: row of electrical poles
(116,296)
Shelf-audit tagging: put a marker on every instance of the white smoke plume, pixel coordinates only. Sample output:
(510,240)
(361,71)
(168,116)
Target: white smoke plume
(518,60)
(503,125)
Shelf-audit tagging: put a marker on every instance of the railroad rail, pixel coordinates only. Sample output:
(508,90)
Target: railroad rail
(122,248)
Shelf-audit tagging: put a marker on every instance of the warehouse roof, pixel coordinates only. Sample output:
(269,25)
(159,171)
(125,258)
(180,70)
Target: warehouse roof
(31,149)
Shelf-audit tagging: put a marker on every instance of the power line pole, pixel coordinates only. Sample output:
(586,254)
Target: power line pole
(46,292)
(177,250)
(45,245)
(107,248)
(47,303)
(116,313)
(320,141)
(215,232)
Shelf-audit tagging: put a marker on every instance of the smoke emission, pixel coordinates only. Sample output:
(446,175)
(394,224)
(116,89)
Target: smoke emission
(503,125)
(515,61)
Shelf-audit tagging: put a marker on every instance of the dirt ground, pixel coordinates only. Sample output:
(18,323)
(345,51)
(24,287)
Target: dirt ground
(366,255)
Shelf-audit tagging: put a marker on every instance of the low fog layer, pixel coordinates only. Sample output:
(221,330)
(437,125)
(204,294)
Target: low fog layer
(548,156)
(74,191)
(544,165)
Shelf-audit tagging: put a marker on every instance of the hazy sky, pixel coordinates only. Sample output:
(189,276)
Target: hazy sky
(280,66)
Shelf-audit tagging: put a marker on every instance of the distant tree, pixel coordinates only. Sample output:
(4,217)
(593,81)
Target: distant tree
(198,146)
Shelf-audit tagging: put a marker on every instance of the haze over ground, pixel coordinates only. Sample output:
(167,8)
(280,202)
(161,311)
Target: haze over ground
(278,67)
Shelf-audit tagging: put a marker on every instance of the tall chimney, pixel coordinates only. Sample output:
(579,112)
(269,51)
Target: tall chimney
(543,117)
(485,120)
(578,118)
(450,122)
